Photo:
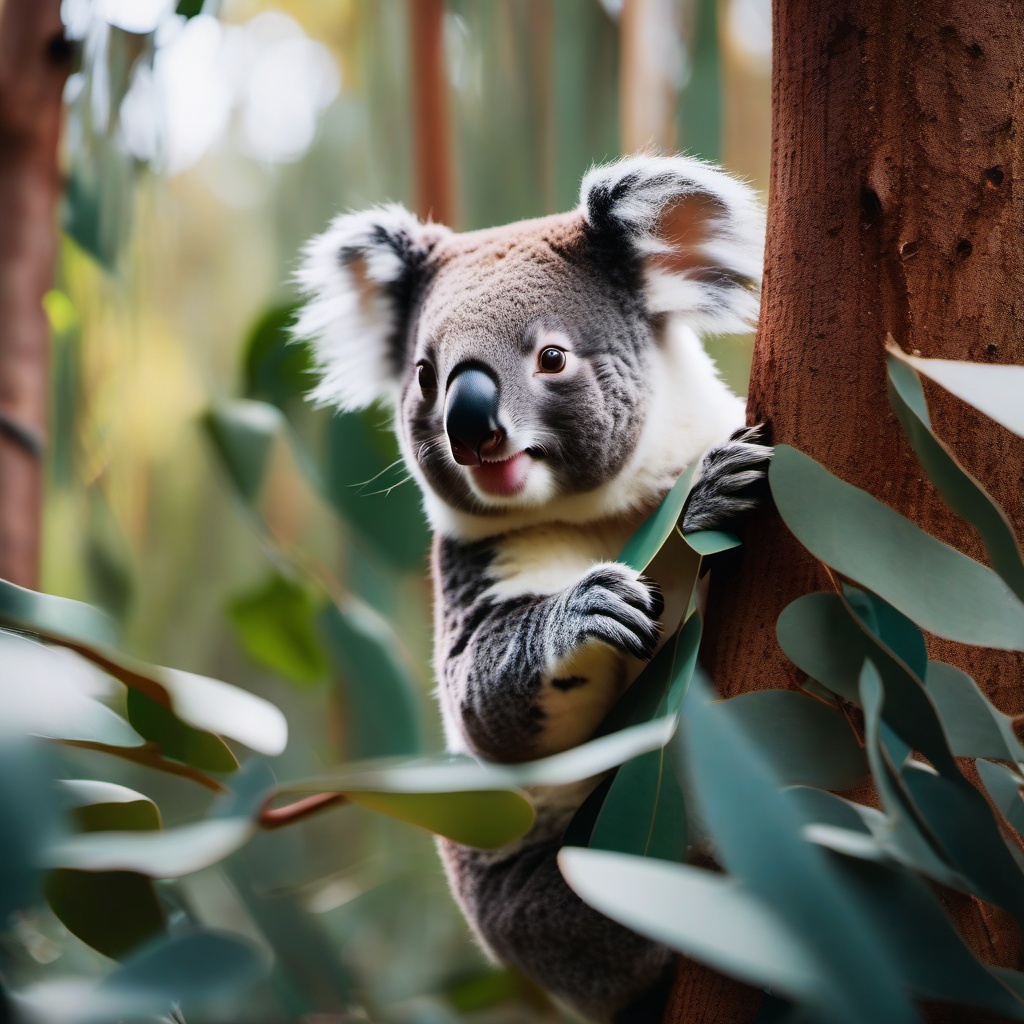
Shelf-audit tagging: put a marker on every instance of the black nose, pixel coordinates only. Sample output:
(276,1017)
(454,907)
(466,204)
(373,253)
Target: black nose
(471,420)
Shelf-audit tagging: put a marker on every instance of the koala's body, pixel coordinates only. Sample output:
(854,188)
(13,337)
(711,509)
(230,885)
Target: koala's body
(549,386)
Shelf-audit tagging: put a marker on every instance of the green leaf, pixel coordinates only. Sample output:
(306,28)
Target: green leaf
(823,635)
(644,812)
(706,916)
(920,938)
(112,911)
(167,853)
(243,433)
(758,837)
(201,966)
(46,693)
(995,390)
(435,785)
(973,727)
(176,739)
(902,832)
(711,542)
(97,806)
(652,533)
(366,482)
(963,493)
(380,693)
(486,819)
(806,741)
(455,773)
(942,590)
(277,370)
(1004,787)
(275,624)
(206,704)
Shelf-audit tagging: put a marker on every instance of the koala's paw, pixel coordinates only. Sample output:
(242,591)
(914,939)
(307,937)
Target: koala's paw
(616,605)
(733,482)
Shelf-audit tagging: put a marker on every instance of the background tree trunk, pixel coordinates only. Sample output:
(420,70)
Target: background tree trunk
(34,61)
(896,205)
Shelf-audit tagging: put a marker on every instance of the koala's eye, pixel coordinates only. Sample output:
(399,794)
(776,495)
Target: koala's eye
(426,378)
(551,360)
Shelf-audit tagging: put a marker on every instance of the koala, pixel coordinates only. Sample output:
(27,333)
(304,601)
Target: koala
(548,387)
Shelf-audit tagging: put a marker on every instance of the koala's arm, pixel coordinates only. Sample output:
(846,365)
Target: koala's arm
(732,482)
(501,661)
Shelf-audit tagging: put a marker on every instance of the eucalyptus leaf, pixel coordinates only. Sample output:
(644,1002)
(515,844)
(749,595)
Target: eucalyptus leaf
(652,533)
(277,369)
(1004,787)
(806,741)
(176,739)
(963,493)
(973,727)
(456,773)
(206,704)
(485,819)
(644,812)
(995,390)
(96,806)
(168,853)
(920,938)
(709,917)
(758,838)
(243,433)
(114,912)
(823,635)
(902,831)
(940,589)
(276,625)
(380,693)
(711,542)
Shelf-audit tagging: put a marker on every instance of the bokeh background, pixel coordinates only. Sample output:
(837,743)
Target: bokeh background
(204,144)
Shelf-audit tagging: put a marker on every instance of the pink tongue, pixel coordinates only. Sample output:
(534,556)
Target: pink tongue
(502,478)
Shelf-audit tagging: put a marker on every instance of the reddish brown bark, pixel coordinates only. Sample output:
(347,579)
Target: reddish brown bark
(431,122)
(896,205)
(33,67)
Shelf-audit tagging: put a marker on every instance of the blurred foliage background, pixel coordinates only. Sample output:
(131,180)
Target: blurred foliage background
(204,144)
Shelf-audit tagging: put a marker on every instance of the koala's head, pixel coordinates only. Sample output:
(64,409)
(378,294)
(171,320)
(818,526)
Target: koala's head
(525,363)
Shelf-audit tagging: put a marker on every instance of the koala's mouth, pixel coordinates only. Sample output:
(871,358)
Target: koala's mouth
(502,478)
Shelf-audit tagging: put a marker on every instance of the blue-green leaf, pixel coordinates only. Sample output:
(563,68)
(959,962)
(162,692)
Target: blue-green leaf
(962,491)
(942,590)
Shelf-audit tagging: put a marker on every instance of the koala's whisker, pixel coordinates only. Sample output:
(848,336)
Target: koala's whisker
(375,476)
(387,490)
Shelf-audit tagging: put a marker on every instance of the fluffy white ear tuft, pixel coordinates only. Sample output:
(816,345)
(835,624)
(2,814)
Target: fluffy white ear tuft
(697,232)
(360,278)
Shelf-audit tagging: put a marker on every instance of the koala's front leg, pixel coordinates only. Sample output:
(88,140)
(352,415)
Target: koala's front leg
(507,663)
(733,481)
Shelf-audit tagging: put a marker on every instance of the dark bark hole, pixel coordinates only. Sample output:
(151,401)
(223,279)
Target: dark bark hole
(964,248)
(60,50)
(995,176)
(991,348)
(908,249)
(975,51)
(870,206)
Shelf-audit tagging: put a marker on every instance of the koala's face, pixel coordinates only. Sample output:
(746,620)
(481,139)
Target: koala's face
(524,379)
(521,361)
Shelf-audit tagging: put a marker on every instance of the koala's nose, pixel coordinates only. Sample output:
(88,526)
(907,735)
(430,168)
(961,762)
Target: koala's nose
(471,416)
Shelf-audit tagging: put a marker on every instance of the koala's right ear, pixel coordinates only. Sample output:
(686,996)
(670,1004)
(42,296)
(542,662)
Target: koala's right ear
(360,277)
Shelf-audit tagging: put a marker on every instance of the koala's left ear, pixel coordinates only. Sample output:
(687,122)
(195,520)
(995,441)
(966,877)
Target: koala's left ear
(361,277)
(697,233)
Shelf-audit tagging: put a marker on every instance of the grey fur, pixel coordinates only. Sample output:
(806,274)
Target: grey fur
(538,631)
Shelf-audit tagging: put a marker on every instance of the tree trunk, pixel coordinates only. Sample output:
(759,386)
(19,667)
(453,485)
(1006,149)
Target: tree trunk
(431,123)
(33,66)
(896,206)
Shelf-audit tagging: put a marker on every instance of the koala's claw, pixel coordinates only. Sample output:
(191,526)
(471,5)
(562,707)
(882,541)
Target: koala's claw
(733,482)
(619,607)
